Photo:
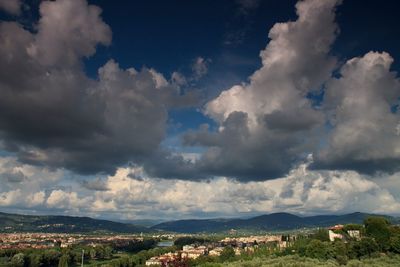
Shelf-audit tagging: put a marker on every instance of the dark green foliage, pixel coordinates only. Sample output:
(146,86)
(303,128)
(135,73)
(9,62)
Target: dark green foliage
(353,226)
(63,262)
(202,260)
(320,250)
(394,230)
(227,254)
(340,251)
(365,247)
(296,261)
(18,260)
(100,252)
(136,246)
(321,234)
(395,244)
(378,228)
(300,246)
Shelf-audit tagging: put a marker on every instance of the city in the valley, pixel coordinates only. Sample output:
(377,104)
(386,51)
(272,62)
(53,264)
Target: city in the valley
(376,240)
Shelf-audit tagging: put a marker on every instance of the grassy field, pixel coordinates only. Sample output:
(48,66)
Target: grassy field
(297,261)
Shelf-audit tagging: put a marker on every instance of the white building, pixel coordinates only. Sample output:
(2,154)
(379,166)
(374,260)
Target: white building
(333,236)
(354,234)
(187,247)
(154,261)
(216,251)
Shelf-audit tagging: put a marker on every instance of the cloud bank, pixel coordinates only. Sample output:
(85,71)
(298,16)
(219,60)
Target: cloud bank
(130,192)
(68,140)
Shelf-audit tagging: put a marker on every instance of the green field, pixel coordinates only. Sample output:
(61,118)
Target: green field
(297,261)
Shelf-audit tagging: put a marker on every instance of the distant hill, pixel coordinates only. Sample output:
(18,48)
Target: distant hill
(144,222)
(269,222)
(63,224)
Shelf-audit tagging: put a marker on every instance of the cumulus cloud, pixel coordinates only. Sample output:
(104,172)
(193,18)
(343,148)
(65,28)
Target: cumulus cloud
(178,78)
(52,114)
(266,125)
(11,6)
(65,200)
(333,191)
(314,192)
(97,185)
(302,191)
(14,177)
(360,108)
(67,31)
(23,185)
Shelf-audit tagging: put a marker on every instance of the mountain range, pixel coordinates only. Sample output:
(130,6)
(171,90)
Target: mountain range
(269,222)
(63,224)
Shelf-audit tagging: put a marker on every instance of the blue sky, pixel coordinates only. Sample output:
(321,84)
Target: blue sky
(166,109)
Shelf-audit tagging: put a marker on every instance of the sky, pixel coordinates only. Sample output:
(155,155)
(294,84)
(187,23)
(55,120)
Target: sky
(165,110)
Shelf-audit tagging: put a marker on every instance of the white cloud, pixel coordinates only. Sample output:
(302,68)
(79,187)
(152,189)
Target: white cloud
(266,125)
(132,194)
(269,123)
(67,31)
(22,199)
(60,199)
(29,189)
(334,191)
(33,177)
(312,192)
(36,199)
(158,79)
(364,135)
(292,65)
(10,198)
(178,79)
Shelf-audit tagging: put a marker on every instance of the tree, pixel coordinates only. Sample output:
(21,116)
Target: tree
(365,247)
(18,260)
(378,228)
(317,249)
(136,246)
(394,230)
(321,234)
(395,244)
(227,254)
(34,259)
(339,251)
(108,252)
(63,261)
(353,226)
(300,245)
(92,253)
(50,258)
